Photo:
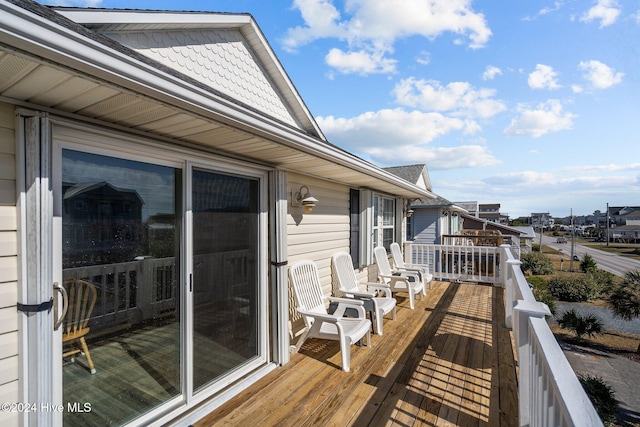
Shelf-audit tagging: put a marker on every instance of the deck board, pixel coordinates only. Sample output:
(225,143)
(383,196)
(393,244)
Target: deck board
(449,362)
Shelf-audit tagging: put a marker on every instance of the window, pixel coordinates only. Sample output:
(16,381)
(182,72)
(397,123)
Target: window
(384,219)
(354,227)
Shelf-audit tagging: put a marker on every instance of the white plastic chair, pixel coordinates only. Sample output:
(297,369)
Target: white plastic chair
(311,304)
(422,271)
(399,282)
(349,286)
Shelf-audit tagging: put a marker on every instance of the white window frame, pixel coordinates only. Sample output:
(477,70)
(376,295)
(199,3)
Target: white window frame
(372,222)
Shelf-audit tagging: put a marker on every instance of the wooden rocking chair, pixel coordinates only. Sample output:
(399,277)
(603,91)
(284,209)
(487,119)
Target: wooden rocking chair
(82,298)
(311,302)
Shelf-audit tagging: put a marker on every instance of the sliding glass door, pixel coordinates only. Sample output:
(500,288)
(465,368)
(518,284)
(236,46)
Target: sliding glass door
(164,265)
(225,226)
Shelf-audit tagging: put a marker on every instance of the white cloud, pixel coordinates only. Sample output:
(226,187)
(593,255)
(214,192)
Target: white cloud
(424,58)
(600,75)
(521,178)
(607,11)
(397,136)
(545,118)
(360,62)
(491,72)
(321,19)
(458,98)
(546,10)
(437,158)
(543,78)
(384,127)
(603,168)
(374,25)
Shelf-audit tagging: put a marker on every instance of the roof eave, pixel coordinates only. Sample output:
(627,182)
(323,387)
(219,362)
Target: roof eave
(31,32)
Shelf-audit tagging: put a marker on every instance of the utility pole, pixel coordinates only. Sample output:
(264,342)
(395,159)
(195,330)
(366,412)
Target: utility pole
(607,216)
(573,241)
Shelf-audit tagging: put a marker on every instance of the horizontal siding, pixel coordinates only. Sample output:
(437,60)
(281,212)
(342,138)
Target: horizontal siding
(8,265)
(8,345)
(8,243)
(9,393)
(316,236)
(8,218)
(8,294)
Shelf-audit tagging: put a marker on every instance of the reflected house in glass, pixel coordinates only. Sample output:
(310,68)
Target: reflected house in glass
(103,218)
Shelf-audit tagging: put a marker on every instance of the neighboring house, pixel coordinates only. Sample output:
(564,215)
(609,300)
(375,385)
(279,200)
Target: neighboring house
(471,207)
(508,235)
(629,232)
(432,219)
(163,158)
(542,219)
(491,212)
(428,219)
(618,215)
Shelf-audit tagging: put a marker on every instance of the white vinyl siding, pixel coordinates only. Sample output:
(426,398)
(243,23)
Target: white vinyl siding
(8,265)
(316,236)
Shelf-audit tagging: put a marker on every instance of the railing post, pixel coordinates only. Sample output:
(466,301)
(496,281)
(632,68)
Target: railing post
(509,283)
(523,310)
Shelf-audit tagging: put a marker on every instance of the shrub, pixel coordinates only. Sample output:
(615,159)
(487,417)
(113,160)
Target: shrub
(569,288)
(602,396)
(581,325)
(587,264)
(536,263)
(602,282)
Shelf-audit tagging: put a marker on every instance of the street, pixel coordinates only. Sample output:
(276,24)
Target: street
(611,262)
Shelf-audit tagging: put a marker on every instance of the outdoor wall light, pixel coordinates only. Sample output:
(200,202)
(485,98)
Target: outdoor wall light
(409,213)
(304,199)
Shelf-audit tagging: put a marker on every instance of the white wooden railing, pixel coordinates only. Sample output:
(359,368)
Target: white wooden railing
(549,391)
(456,262)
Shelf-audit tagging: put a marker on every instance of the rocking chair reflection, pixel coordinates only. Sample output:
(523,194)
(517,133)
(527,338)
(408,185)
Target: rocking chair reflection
(82,299)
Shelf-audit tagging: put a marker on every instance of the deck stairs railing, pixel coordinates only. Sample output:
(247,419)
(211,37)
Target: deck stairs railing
(549,391)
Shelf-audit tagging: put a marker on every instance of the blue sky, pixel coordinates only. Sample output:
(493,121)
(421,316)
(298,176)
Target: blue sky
(534,105)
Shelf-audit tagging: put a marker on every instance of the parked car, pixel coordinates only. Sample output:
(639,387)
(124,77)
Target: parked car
(561,240)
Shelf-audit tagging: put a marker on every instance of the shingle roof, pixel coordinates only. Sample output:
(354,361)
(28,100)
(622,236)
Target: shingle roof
(409,173)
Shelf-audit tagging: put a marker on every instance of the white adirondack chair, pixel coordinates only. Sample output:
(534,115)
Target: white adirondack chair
(399,282)
(349,286)
(422,271)
(311,304)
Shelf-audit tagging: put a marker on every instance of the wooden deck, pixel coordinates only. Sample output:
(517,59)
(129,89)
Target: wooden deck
(448,362)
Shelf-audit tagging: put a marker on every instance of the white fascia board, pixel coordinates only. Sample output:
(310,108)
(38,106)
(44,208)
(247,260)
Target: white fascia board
(59,45)
(142,18)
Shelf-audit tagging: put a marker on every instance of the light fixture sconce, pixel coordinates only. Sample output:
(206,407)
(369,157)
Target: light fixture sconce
(304,199)
(407,207)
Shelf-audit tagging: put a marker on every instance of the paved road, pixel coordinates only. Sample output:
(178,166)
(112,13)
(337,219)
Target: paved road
(612,262)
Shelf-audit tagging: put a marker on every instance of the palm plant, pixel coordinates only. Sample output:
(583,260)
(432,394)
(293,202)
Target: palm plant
(625,299)
(581,325)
